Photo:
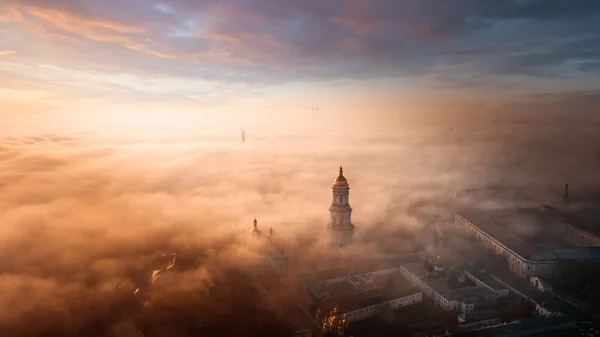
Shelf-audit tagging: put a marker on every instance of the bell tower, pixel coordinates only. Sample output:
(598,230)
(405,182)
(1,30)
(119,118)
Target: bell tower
(340,229)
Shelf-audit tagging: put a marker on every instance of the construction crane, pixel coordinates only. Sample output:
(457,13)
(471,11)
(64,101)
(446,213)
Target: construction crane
(439,232)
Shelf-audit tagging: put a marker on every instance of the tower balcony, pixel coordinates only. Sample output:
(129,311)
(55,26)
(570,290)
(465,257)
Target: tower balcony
(340,208)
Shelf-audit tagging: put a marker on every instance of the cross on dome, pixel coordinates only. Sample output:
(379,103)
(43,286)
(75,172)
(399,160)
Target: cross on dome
(340,180)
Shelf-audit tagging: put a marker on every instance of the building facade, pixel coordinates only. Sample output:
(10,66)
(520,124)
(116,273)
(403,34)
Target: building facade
(355,297)
(340,230)
(558,247)
(581,237)
(360,310)
(541,284)
(463,299)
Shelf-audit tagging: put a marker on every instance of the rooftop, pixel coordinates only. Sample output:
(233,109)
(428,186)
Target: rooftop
(487,279)
(481,315)
(340,180)
(350,303)
(467,293)
(354,293)
(538,324)
(341,290)
(530,232)
(399,292)
(356,269)
(586,218)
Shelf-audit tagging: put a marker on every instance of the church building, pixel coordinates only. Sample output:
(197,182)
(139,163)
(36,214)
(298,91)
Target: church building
(263,253)
(340,229)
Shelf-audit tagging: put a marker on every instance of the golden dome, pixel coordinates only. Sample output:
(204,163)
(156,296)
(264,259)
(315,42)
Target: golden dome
(340,180)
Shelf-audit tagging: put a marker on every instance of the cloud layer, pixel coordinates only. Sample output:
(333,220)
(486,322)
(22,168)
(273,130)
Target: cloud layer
(80,210)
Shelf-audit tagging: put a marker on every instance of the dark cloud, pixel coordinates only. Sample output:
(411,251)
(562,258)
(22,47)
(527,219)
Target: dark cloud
(264,41)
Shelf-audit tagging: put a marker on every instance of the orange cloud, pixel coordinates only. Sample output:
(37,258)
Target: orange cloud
(7,52)
(11,15)
(146,50)
(78,24)
(98,30)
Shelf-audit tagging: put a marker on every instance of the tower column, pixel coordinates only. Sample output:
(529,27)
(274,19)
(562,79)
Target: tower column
(340,230)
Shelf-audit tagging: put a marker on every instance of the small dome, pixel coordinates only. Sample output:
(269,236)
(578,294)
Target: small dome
(340,180)
(255,231)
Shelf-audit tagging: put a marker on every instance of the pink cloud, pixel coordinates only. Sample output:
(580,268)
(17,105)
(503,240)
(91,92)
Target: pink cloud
(7,52)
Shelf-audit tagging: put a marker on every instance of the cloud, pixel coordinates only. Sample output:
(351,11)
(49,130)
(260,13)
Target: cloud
(7,52)
(80,210)
(100,30)
(82,25)
(263,41)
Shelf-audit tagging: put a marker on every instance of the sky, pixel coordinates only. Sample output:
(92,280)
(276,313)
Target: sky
(240,61)
(120,120)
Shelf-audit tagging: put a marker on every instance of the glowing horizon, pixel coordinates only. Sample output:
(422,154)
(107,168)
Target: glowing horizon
(259,60)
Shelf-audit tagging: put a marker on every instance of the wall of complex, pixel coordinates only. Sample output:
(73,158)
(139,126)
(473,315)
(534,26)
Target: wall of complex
(438,299)
(499,292)
(376,309)
(581,238)
(365,275)
(405,301)
(544,311)
(516,263)
(526,268)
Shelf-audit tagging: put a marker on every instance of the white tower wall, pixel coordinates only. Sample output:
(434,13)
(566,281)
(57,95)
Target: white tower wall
(340,230)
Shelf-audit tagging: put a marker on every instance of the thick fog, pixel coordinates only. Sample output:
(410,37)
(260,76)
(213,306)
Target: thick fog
(80,210)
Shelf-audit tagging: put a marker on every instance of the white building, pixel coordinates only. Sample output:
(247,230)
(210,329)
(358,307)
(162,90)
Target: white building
(354,310)
(465,298)
(533,242)
(541,284)
(340,229)
(359,310)
(356,297)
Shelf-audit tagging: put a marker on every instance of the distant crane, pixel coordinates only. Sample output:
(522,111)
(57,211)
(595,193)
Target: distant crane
(243,135)
(439,232)
(453,200)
